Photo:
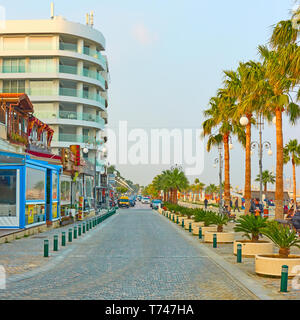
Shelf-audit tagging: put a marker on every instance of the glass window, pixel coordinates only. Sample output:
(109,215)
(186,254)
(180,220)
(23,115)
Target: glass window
(14,86)
(35,184)
(65,189)
(89,183)
(54,186)
(8,188)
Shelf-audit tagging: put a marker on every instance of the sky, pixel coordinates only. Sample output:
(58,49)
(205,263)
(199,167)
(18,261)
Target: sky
(166,59)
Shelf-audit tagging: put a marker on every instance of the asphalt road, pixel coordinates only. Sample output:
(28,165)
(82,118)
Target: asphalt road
(135,254)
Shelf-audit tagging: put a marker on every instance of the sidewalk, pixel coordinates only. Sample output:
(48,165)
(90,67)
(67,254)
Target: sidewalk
(225,251)
(26,253)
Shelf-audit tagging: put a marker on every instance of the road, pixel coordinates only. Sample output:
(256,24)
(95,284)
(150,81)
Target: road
(135,254)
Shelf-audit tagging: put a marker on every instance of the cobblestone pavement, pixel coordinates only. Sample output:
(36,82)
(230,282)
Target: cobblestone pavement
(135,254)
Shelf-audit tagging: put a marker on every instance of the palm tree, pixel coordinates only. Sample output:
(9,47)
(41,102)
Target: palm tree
(175,181)
(291,153)
(220,117)
(241,85)
(211,189)
(278,84)
(267,177)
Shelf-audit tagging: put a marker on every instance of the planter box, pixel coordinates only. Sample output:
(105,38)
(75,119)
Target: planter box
(208,229)
(222,237)
(270,265)
(187,223)
(195,227)
(251,249)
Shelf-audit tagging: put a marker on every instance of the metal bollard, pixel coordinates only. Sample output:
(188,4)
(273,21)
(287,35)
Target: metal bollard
(87,226)
(200,232)
(239,253)
(63,239)
(55,243)
(214,241)
(75,232)
(182,224)
(284,278)
(79,230)
(46,248)
(90,224)
(177,221)
(70,235)
(190,227)
(83,227)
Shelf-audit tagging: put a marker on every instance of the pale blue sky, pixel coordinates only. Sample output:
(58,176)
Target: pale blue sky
(166,59)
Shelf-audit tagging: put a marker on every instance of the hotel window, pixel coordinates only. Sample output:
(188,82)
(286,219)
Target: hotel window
(41,65)
(41,88)
(14,86)
(13,65)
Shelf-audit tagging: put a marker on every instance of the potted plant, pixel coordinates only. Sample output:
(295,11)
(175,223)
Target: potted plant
(220,221)
(198,220)
(251,227)
(208,220)
(284,238)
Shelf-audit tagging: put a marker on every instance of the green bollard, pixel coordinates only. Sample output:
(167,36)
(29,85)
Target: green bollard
(177,221)
(83,227)
(190,227)
(63,239)
(87,226)
(200,232)
(79,230)
(173,218)
(90,226)
(182,224)
(214,241)
(284,278)
(70,235)
(55,243)
(75,232)
(239,253)
(46,248)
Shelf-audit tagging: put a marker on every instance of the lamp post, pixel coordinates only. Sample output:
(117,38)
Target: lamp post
(260,145)
(220,161)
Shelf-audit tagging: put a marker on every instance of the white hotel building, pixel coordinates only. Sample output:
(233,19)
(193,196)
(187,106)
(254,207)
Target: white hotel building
(60,65)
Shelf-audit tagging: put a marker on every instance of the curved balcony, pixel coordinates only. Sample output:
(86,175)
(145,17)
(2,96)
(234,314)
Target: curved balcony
(67,95)
(72,118)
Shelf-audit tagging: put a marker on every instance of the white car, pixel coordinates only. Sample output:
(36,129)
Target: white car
(146,200)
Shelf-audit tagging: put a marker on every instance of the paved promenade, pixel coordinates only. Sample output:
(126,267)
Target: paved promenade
(135,254)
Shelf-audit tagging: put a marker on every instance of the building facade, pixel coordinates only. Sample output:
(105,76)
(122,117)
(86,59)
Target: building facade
(60,65)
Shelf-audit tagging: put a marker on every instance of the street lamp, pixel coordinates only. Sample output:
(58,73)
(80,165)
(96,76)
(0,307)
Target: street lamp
(260,146)
(244,121)
(220,161)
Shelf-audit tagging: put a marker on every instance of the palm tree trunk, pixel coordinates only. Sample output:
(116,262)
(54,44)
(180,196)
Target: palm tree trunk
(279,167)
(247,192)
(265,189)
(175,196)
(294,182)
(227,171)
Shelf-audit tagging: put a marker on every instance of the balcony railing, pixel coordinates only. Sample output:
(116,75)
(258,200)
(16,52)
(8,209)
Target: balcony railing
(68,69)
(69,137)
(68,46)
(71,115)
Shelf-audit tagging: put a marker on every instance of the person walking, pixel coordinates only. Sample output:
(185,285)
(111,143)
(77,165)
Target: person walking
(252,207)
(236,205)
(205,203)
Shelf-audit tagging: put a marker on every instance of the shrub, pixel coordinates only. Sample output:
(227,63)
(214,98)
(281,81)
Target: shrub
(251,226)
(282,236)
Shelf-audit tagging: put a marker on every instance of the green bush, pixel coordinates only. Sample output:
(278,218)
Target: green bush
(282,236)
(251,226)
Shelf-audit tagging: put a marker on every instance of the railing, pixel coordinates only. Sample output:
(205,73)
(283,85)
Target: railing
(68,46)
(68,69)
(69,137)
(71,115)
(16,69)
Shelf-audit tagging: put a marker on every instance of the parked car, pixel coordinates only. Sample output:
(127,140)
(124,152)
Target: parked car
(155,204)
(146,200)
(124,202)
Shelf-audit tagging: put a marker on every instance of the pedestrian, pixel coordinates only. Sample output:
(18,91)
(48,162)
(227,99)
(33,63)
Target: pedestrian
(205,203)
(296,218)
(252,207)
(230,203)
(236,205)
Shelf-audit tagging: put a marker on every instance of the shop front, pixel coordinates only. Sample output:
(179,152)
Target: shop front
(29,191)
